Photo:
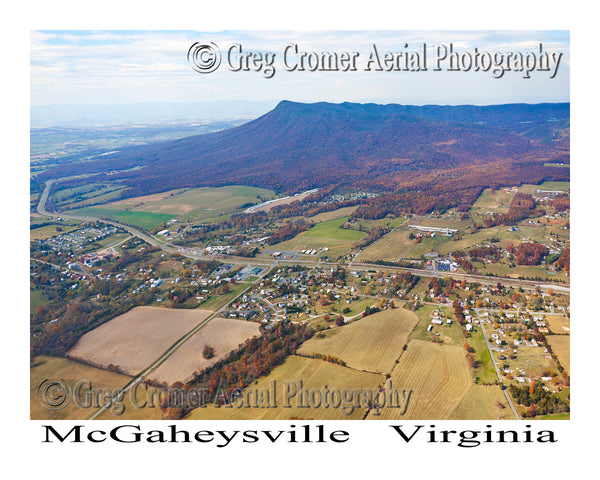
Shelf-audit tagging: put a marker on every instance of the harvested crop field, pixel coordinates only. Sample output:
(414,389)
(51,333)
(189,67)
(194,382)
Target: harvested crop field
(438,377)
(483,402)
(283,391)
(558,324)
(132,341)
(223,334)
(561,346)
(372,343)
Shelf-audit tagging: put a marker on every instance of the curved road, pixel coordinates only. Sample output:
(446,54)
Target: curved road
(187,252)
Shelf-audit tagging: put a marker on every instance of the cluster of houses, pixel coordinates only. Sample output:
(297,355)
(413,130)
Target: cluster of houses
(79,238)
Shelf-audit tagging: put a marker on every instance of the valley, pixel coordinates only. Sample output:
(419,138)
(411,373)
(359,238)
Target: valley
(451,285)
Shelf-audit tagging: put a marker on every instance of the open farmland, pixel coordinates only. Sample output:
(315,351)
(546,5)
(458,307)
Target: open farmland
(147,220)
(332,215)
(194,204)
(372,343)
(314,375)
(69,373)
(391,247)
(223,334)
(438,376)
(132,341)
(483,402)
(558,324)
(561,346)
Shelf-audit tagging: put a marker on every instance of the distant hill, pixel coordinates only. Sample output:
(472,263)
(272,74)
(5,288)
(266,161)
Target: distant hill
(445,150)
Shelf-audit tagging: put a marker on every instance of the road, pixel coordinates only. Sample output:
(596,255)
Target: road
(187,252)
(150,239)
(481,320)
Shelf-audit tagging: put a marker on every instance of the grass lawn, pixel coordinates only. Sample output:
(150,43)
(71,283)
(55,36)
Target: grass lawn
(217,301)
(485,372)
(36,299)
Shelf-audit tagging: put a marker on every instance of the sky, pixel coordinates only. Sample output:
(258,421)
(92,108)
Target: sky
(123,67)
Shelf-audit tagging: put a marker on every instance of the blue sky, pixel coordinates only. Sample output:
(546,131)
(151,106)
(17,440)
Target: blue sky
(120,67)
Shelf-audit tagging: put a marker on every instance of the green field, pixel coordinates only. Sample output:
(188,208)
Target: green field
(485,372)
(314,374)
(325,234)
(36,299)
(217,301)
(189,204)
(49,231)
(147,220)
(371,344)
(392,247)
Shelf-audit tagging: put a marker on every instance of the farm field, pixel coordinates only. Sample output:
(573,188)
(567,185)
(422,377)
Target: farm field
(332,215)
(36,299)
(194,204)
(197,203)
(483,402)
(558,324)
(523,271)
(147,220)
(48,231)
(314,374)
(223,334)
(438,376)
(561,346)
(69,372)
(372,343)
(564,186)
(494,201)
(132,341)
(325,234)
(391,247)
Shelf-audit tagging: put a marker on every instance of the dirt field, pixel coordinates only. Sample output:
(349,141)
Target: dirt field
(132,341)
(223,334)
(372,343)
(438,376)
(561,345)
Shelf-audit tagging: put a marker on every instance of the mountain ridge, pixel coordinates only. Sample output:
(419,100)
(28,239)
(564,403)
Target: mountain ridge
(383,148)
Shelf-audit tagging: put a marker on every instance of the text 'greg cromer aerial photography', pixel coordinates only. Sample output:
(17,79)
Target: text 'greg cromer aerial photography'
(337,225)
